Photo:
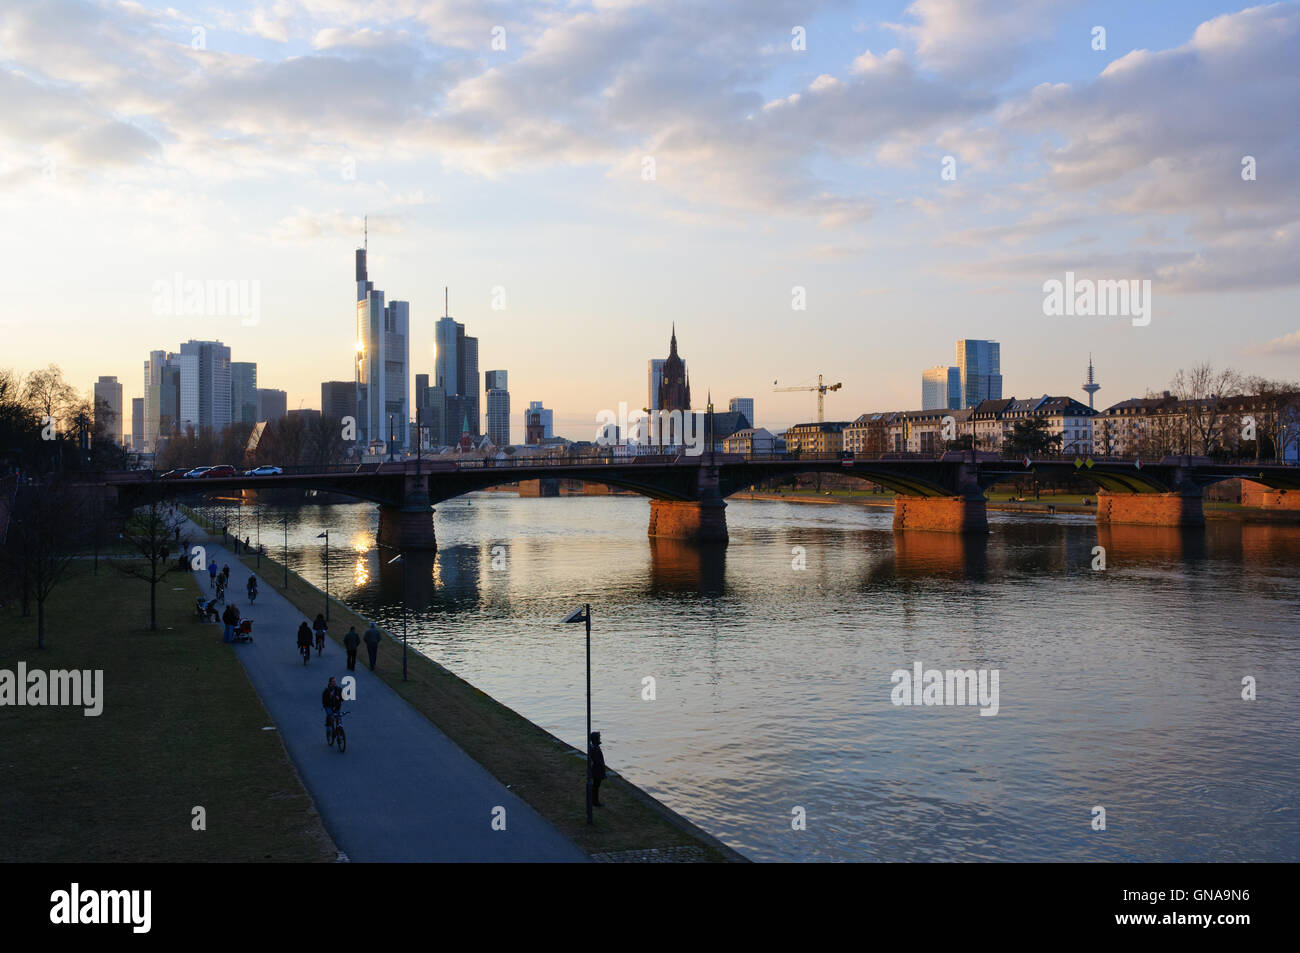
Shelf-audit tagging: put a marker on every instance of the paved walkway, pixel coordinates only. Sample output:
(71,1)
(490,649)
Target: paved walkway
(403,791)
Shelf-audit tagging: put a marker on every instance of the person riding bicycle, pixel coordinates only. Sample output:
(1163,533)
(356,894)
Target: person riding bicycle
(331,700)
(252,588)
(319,627)
(304,637)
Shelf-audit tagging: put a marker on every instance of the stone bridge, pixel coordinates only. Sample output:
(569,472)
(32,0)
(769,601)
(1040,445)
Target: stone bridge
(688,494)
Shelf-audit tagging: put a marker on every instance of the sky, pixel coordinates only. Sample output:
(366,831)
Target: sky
(583,175)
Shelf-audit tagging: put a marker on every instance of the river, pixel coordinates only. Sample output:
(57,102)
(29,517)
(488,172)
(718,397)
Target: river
(1119,688)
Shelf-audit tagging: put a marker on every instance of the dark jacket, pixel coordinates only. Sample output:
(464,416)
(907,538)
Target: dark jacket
(304,634)
(332,697)
(231,615)
(372,636)
(597,762)
(351,640)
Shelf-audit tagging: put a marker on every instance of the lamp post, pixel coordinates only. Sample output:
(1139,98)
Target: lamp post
(285,521)
(259,536)
(400,558)
(584,615)
(326,536)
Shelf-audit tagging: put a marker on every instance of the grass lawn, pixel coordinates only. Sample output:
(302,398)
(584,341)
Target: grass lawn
(181,727)
(533,763)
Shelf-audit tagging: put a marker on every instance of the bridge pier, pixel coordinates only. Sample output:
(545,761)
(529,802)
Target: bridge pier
(704,521)
(944,514)
(1179,508)
(407,527)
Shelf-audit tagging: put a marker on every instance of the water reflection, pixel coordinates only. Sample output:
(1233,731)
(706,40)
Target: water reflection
(682,566)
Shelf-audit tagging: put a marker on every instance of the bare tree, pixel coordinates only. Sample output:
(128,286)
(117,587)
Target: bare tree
(152,534)
(1203,393)
(46,524)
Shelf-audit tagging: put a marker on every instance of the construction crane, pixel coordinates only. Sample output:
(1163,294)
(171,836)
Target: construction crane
(821,389)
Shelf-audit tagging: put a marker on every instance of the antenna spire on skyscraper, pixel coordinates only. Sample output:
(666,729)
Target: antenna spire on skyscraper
(446,306)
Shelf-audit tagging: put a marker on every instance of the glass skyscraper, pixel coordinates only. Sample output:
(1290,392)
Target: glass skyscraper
(980,364)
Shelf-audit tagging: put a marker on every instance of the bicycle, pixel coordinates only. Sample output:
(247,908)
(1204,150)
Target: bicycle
(305,649)
(252,595)
(334,732)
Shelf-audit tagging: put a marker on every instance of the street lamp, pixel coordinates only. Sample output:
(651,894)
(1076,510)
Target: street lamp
(584,615)
(399,558)
(326,536)
(285,521)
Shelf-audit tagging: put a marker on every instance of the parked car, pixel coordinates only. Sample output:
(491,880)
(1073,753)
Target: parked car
(224,470)
(173,474)
(196,472)
(264,471)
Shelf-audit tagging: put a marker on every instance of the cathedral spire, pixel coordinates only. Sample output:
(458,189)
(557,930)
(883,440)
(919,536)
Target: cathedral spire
(672,345)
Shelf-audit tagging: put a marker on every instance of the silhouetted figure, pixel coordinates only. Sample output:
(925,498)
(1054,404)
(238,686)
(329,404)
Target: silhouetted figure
(304,636)
(372,644)
(351,642)
(331,700)
(596,757)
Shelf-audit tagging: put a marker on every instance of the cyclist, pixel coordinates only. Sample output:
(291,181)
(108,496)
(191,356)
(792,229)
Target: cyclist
(221,589)
(319,628)
(252,588)
(331,700)
(304,641)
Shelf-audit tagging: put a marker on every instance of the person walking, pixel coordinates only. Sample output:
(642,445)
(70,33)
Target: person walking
(350,642)
(231,618)
(597,759)
(372,644)
(212,575)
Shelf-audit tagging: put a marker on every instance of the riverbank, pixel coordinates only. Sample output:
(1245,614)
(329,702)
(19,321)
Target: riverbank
(542,770)
(181,728)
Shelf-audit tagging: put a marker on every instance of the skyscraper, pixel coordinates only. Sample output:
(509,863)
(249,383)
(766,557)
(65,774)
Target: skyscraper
(162,400)
(137,424)
(498,408)
(272,404)
(743,405)
(656,378)
(941,388)
(108,401)
(337,399)
(542,419)
(205,385)
(980,363)
(383,363)
(243,392)
(456,372)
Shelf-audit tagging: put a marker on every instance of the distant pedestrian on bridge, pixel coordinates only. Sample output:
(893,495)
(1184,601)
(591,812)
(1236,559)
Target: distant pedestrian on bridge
(372,644)
(351,641)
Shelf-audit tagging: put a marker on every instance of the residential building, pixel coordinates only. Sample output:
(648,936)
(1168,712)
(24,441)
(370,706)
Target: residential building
(980,366)
(243,392)
(108,403)
(826,437)
(925,431)
(941,388)
(752,441)
(870,433)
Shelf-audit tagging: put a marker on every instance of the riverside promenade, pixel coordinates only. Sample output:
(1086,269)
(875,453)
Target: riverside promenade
(402,791)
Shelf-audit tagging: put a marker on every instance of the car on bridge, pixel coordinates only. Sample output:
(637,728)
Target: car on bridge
(196,473)
(224,470)
(264,471)
(174,474)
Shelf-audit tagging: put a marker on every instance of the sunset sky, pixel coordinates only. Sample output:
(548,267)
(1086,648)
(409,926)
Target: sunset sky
(247,142)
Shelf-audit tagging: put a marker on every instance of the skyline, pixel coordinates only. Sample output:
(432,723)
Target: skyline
(516,176)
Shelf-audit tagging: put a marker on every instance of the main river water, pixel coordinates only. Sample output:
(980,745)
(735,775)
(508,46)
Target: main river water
(1119,688)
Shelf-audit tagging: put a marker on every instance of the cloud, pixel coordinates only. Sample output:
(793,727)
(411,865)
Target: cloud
(1286,344)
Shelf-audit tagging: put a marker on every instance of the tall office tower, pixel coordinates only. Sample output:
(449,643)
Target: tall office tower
(743,405)
(383,363)
(941,388)
(205,385)
(338,399)
(243,392)
(498,408)
(1091,386)
(544,418)
(980,363)
(432,403)
(137,424)
(108,400)
(656,378)
(161,398)
(456,372)
(272,404)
